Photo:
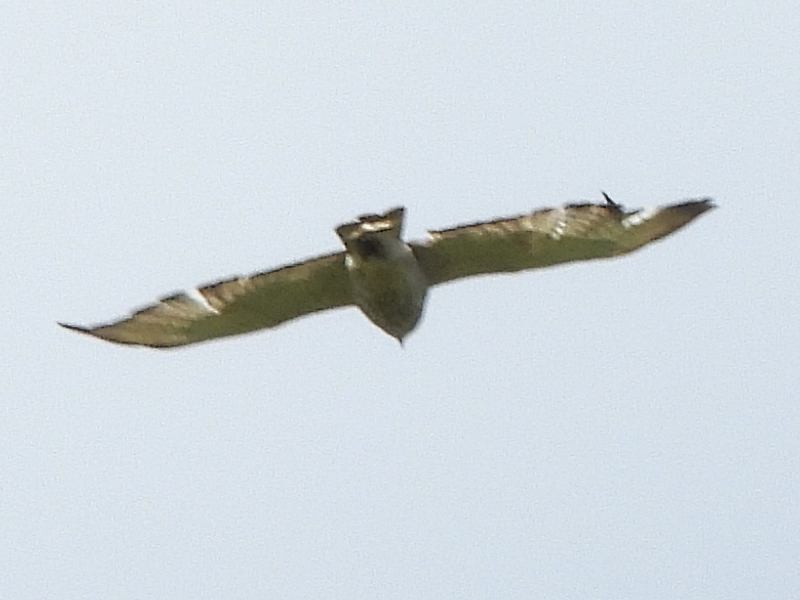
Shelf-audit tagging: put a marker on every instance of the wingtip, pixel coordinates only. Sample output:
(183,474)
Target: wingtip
(89,331)
(72,327)
(696,206)
(101,332)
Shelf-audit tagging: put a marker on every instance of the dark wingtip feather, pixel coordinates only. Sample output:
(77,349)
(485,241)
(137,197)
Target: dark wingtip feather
(77,328)
(92,331)
(695,207)
(81,329)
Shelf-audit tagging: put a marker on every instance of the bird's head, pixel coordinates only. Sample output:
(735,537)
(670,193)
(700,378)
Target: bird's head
(371,235)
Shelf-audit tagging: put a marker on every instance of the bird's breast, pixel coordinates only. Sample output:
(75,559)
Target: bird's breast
(390,290)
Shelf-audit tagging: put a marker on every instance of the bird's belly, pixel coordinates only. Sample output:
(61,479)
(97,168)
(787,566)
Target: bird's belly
(390,293)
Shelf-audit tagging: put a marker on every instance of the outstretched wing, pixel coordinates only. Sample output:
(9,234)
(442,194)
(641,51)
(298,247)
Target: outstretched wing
(233,306)
(548,237)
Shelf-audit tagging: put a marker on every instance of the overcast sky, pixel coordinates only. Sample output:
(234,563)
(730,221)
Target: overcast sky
(621,429)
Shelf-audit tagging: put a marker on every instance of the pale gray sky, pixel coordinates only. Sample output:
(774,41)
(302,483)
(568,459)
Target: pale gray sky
(623,429)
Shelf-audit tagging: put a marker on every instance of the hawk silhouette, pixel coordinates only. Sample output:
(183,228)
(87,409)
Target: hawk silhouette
(388,278)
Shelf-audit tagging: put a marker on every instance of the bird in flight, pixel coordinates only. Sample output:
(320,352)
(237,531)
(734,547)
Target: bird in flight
(388,278)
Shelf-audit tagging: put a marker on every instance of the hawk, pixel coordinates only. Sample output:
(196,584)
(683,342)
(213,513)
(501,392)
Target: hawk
(388,278)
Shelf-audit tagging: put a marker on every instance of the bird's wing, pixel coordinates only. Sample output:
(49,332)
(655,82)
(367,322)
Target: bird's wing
(548,237)
(233,306)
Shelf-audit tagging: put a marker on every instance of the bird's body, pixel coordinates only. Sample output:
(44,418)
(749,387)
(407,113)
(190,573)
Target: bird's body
(387,282)
(387,278)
